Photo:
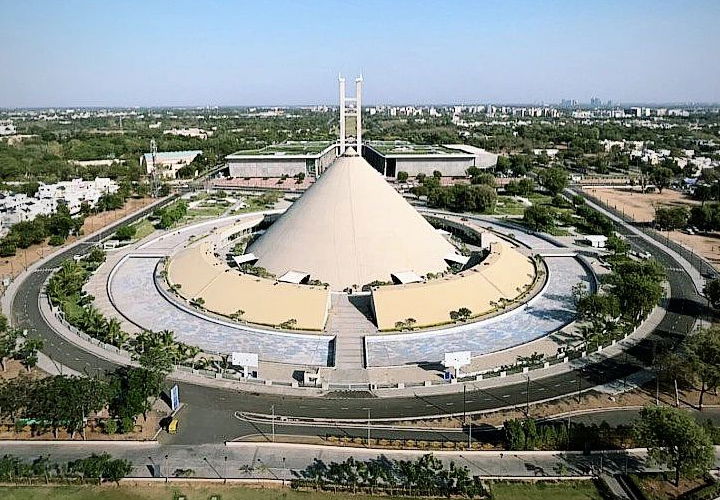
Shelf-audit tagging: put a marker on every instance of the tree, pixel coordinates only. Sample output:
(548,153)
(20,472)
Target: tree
(661,177)
(483,178)
(8,343)
(617,245)
(554,179)
(125,233)
(675,440)
(712,292)
(132,389)
(706,217)
(27,353)
(671,218)
(539,218)
(702,357)
(637,286)
(402,176)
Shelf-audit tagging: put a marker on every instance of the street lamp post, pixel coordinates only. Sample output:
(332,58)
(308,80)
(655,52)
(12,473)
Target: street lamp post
(527,397)
(464,403)
(368,429)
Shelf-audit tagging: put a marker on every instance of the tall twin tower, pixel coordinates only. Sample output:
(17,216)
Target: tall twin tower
(351,106)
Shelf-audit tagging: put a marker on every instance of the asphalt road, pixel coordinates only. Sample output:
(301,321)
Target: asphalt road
(209,411)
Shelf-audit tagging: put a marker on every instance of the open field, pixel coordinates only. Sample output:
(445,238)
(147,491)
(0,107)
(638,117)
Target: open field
(707,245)
(167,492)
(638,206)
(568,490)
(641,208)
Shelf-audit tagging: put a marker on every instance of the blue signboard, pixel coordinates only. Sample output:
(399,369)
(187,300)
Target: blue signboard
(174,398)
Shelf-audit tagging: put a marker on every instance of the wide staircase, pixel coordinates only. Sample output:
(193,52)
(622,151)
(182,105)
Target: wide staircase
(349,321)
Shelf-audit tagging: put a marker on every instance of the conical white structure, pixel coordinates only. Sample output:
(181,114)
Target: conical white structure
(351,228)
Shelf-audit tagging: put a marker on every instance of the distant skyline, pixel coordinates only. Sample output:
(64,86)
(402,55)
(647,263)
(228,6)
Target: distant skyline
(222,53)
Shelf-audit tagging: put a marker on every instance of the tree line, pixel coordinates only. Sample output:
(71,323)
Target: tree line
(672,436)
(156,350)
(705,217)
(65,402)
(423,476)
(93,469)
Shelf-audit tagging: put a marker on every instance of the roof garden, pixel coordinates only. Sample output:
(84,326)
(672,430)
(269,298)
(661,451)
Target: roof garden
(408,148)
(290,148)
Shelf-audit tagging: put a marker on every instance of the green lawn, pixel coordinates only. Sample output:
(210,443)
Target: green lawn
(508,206)
(144,228)
(565,490)
(163,492)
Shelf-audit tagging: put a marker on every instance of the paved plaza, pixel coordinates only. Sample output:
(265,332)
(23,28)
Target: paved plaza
(552,310)
(134,293)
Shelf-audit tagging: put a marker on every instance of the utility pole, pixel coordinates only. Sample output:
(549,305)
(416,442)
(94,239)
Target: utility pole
(368,429)
(273,423)
(527,397)
(464,403)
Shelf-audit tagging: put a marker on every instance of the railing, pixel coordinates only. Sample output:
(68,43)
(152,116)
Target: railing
(705,268)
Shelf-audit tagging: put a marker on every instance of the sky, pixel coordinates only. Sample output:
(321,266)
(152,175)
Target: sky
(290,52)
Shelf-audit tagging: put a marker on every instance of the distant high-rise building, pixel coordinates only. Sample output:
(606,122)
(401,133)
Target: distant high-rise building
(595,102)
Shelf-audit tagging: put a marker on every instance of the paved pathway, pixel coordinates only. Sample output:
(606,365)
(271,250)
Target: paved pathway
(349,323)
(280,461)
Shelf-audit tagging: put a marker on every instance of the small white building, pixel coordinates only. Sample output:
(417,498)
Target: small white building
(166,164)
(595,240)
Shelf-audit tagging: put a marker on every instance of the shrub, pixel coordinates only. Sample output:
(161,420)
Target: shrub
(110,426)
(127,424)
(56,240)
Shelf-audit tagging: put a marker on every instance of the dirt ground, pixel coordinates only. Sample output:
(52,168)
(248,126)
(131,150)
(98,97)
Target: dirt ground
(707,245)
(641,207)
(12,266)
(658,488)
(638,206)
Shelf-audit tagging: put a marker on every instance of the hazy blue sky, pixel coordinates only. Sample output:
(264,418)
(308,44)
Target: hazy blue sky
(183,52)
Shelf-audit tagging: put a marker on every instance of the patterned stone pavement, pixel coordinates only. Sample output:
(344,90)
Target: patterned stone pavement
(548,313)
(134,293)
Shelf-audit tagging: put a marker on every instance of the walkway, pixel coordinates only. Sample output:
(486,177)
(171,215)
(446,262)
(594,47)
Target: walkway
(349,322)
(278,460)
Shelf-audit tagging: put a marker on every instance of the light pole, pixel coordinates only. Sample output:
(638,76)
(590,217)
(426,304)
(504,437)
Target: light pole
(464,403)
(273,423)
(527,397)
(368,429)
(470,435)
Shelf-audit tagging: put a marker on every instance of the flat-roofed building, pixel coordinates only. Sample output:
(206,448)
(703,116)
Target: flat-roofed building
(452,160)
(286,159)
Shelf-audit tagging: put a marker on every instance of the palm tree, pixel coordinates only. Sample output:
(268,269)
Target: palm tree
(114,333)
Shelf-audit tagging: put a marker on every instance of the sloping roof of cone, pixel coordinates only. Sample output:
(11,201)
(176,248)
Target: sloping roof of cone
(351,228)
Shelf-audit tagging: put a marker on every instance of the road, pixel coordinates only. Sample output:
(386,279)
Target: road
(209,412)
